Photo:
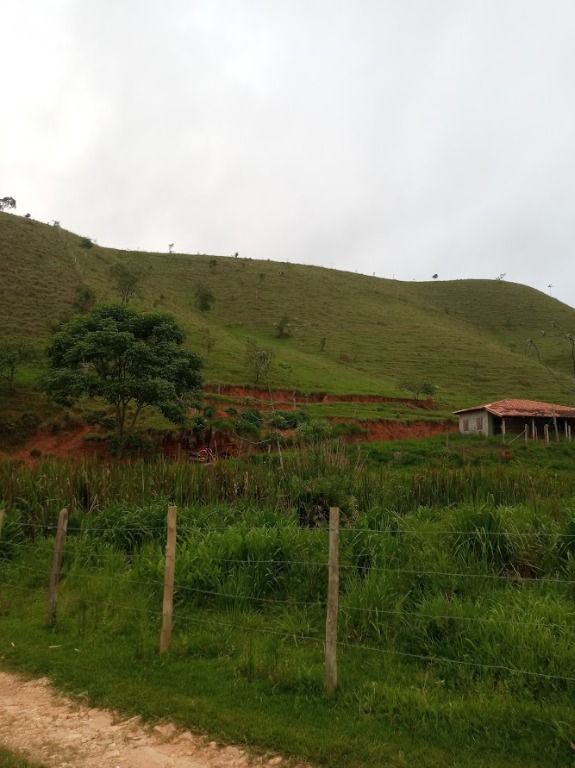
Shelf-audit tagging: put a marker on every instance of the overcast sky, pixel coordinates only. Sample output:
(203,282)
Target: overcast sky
(401,137)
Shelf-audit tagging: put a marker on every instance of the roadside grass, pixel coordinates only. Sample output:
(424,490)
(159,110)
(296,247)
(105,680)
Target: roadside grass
(228,677)
(472,563)
(9,759)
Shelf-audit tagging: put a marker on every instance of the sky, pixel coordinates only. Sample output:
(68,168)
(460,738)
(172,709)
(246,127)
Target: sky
(404,138)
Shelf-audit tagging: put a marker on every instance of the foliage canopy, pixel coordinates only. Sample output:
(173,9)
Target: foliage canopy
(130,359)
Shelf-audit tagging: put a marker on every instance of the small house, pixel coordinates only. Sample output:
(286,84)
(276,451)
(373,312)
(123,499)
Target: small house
(518,417)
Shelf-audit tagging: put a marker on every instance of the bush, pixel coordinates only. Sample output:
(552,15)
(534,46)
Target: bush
(62,422)
(317,495)
(313,431)
(348,429)
(287,419)
(85,299)
(248,429)
(134,444)
(252,417)
(101,419)
(17,428)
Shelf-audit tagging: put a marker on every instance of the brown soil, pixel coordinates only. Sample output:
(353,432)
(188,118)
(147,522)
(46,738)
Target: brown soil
(398,430)
(294,397)
(59,733)
(58,444)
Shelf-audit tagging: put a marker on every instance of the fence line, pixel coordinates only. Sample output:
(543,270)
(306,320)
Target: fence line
(178,588)
(343,644)
(510,577)
(331,643)
(320,529)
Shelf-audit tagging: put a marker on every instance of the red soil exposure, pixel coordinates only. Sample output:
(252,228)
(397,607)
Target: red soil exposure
(397,430)
(60,445)
(293,397)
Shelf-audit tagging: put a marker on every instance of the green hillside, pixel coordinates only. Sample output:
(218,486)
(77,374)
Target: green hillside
(469,337)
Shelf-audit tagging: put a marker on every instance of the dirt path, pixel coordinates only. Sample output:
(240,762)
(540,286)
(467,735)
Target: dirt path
(60,733)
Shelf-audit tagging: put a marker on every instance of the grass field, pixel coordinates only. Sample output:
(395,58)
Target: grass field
(456,612)
(467,337)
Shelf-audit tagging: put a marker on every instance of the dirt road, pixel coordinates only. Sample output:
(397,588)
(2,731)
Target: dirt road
(60,733)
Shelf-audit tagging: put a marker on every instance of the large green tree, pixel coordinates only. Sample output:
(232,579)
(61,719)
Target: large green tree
(130,359)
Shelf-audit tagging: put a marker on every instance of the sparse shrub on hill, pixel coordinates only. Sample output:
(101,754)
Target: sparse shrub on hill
(129,359)
(126,279)
(287,419)
(419,387)
(258,361)
(313,431)
(85,299)
(205,299)
(249,424)
(283,327)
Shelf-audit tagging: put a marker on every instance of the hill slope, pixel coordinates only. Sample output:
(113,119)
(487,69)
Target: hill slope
(469,337)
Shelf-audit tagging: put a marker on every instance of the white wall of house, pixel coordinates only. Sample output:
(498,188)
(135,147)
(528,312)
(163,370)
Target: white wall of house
(476,422)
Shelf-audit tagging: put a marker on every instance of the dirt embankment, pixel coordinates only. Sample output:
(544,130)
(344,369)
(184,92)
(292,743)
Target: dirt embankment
(58,733)
(397,430)
(294,397)
(60,444)
(223,444)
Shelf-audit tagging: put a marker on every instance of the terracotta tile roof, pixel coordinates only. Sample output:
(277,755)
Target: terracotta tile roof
(530,408)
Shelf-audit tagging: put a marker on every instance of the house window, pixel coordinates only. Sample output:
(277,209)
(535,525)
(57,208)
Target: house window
(479,423)
(466,425)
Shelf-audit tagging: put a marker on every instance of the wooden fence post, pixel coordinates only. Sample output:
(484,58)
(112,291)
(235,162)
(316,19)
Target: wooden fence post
(332,603)
(2,518)
(169,572)
(546,431)
(57,565)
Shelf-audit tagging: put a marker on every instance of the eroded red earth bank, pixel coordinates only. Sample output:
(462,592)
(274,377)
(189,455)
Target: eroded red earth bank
(76,443)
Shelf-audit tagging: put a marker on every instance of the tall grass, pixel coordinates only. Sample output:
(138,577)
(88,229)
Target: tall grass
(38,491)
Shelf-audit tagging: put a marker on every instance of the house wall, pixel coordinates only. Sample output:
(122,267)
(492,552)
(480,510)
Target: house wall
(476,422)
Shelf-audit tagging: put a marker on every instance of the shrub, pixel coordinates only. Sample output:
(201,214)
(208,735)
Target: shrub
(85,298)
(288,419)
(132,444)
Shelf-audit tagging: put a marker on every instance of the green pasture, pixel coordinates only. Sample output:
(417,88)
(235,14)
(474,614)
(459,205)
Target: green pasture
(469,337)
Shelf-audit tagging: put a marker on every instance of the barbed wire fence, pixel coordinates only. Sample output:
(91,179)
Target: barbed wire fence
(330,603)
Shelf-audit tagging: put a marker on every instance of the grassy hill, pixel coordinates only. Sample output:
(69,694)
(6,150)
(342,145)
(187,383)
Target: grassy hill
(469,337)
